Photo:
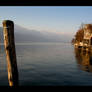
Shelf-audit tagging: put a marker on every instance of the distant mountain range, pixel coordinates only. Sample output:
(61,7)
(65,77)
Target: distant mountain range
(26,35)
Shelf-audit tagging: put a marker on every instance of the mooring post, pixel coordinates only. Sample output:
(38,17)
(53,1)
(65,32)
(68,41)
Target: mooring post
(9,42)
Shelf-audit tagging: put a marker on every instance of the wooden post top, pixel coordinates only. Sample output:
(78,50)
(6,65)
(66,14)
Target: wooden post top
(8,23)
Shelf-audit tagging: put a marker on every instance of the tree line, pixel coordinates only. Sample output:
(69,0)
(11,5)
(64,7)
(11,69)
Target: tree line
(80,33)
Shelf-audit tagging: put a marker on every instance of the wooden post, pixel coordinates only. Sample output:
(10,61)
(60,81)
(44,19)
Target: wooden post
(9,42)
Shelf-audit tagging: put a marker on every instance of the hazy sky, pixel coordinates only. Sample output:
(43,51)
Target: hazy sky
(60,19)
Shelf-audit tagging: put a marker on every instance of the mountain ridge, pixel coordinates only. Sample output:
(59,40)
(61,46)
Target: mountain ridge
(27,35)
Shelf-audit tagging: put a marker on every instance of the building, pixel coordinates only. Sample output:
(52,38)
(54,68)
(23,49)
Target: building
(87,40)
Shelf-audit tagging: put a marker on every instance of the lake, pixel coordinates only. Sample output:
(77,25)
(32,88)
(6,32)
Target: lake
(49,64)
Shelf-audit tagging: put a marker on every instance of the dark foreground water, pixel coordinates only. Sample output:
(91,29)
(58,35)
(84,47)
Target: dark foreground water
(49,64)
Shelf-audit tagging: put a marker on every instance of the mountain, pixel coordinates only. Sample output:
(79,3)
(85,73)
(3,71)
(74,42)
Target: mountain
(26,35)
(1,35)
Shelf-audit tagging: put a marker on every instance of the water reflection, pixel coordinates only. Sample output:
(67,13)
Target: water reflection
(84,60)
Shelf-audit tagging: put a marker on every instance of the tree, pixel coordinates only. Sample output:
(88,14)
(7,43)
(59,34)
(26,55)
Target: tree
(79,35)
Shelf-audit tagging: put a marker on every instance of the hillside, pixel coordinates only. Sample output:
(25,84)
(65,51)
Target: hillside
(26,35)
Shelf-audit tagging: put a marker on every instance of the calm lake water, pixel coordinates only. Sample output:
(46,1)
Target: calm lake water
(49,64)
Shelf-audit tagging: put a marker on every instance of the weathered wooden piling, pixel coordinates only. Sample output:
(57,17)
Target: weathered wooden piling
(9,42)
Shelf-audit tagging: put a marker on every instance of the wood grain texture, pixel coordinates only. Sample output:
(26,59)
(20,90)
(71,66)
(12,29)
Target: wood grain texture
(9,43)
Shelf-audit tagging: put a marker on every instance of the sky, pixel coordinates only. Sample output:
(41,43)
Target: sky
(59,19)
